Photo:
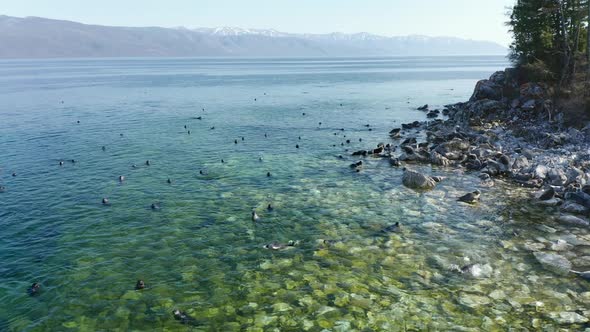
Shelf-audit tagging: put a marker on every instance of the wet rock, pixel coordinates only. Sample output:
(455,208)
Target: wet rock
(553,262)
(557,177)
(498,294)
(583,261)
(473,301)
(541,172)
(415,180)
(520,162)
(534,246)
(568,219)
(478,270)
(561,245)
(326,311)
(568,317)
(423,108)
(281,307)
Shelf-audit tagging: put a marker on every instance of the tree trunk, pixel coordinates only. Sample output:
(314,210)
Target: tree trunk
(577,22)
(565,47)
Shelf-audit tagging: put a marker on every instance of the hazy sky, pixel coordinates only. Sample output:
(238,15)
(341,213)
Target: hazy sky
(474,19)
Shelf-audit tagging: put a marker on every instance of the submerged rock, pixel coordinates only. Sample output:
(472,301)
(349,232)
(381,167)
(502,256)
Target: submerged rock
(553,262)
(568,317)
(415,180)
(473,301)
(573,220)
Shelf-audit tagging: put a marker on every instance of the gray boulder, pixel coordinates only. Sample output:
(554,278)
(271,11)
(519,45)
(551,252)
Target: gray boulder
(541,171)
(553,262)
(415,180)
(520,162)
(573,220)
(557,177)
(486,89)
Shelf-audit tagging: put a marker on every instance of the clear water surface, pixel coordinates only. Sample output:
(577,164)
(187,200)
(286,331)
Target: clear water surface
(201,253)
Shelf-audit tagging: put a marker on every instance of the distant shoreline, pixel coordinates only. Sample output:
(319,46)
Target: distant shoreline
(35,37)
(149,58)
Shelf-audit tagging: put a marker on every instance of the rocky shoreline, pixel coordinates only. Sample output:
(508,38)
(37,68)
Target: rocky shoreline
(506,131)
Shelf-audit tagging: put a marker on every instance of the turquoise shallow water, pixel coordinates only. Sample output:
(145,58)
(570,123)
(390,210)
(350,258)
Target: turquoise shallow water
(201,252)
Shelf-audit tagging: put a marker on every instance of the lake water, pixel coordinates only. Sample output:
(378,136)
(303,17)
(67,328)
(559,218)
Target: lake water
(200,252)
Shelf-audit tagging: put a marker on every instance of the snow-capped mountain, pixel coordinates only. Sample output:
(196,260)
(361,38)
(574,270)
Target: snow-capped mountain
(34,37)
(233,31)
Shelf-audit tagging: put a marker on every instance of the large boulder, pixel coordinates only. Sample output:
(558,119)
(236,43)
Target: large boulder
(553,262)
(498,77)
(487,89)
(415,180)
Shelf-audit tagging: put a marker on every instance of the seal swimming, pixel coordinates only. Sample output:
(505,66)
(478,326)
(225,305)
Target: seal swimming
(183,317)
(392,228)
(34,289)
(139,285)
(255,216)
(280,246)
(470,198)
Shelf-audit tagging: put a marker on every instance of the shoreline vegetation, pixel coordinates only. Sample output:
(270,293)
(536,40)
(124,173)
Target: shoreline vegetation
(507,132)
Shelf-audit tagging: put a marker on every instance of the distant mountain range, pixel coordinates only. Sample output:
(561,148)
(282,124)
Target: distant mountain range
(35,37)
